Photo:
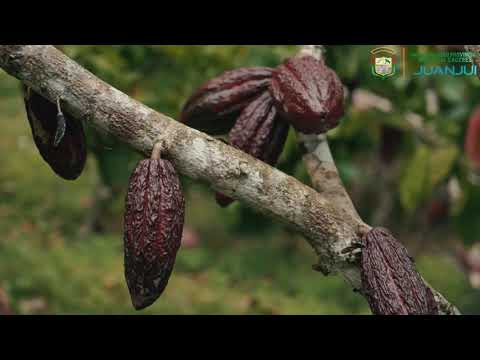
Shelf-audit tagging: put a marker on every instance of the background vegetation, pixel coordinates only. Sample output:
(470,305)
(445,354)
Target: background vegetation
(61,245)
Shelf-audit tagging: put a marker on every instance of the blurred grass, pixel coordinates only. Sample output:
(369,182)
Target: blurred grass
(43,254)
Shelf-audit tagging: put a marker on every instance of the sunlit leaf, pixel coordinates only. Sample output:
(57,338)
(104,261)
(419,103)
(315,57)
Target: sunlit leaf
(415,182)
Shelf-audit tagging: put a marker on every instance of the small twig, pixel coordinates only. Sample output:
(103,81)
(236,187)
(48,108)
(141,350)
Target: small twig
(61,125)
(157,151)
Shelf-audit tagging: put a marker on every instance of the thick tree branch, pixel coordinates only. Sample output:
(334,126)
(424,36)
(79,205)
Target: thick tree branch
(197,155)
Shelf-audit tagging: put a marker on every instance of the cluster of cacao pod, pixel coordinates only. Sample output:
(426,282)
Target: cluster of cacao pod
(257,105)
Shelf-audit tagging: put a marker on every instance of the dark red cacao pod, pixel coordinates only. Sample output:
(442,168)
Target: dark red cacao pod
(308,94)
(472,139)
(67,158)
(153,225)
(390,281)
(260,132)
(215,106)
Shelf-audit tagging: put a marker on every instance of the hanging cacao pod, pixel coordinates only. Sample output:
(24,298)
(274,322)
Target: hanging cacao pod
(390,281)
(60,140)
(308,94)
(153,225)
(215,106)
(259,132)
(472,139)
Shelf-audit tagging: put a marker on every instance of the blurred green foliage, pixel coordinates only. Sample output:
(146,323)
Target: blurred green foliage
(246,263)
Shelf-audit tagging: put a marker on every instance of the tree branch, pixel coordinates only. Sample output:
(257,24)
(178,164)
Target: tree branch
(327,227)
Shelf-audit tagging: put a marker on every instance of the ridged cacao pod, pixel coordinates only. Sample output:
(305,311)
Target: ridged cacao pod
(472,139)
(215,106)
(308,94)
(153,225)
(64,150)
(390,281)
(259,132)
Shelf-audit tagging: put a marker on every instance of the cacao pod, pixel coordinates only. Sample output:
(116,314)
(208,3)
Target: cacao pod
(308,94)
(153,225)
(390,281)
(61,141)
(259,132)
(215,106)
(472,140)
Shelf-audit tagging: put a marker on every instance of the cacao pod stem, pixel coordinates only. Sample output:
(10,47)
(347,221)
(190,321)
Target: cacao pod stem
(61,125)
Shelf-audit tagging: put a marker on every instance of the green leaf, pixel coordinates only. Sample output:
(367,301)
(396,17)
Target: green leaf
(415,182)
(424,171)
(441,162)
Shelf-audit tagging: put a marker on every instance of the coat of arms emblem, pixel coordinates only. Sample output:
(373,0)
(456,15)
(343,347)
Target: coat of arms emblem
(383,62)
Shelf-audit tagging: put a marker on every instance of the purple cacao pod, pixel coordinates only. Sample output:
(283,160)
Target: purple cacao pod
(215,106)
(260,132)
(153,225)
(390,281)
(66,154)
(308,94)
